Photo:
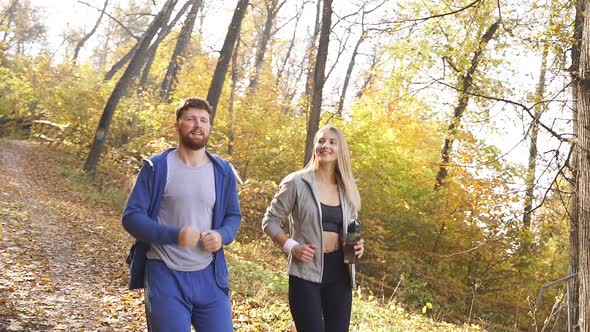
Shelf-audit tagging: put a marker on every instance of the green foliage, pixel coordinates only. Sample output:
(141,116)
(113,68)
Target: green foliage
(109,187)
(16,95)
(268,146)
(255,196)
(21,26)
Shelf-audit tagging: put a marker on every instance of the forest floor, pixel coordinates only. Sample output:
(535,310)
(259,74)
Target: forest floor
(62,262)
(62,259)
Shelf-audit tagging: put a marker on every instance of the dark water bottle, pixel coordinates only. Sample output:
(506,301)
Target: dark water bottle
(353,235)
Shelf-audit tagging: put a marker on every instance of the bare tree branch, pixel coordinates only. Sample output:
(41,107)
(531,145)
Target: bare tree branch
(114,19)
(291,43)
(559,173)
(527,109)
(88,35)
(341,48)
(423,19)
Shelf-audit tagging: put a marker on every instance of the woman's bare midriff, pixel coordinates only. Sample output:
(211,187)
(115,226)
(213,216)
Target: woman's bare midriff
(331,241)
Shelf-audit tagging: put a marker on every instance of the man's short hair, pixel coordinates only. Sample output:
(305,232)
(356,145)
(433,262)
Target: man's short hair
(193,102)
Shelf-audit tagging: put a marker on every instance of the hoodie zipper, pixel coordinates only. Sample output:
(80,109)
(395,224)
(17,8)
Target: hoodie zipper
(317,201)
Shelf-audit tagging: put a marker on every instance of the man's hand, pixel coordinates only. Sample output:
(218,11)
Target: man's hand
(188,237)
(211,241)
(303,252)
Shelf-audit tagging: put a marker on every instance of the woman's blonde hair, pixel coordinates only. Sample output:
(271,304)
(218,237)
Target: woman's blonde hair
(343,166)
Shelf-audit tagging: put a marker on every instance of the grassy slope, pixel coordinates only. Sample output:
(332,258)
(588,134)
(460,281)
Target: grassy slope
(260,298)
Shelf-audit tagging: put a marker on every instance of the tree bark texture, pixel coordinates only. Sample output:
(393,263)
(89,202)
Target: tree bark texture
(583,168)
(574,265)
(574,283)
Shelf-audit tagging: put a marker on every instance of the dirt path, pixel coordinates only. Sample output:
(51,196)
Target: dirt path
(62,259)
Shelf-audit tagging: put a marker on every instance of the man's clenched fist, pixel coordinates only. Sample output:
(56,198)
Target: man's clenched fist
(211,241)
(188,237)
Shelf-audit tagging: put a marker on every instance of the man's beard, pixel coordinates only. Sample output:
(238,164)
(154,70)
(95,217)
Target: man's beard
(194,144)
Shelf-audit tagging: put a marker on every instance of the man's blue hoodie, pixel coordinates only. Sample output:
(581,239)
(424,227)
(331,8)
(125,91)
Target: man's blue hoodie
(140,217)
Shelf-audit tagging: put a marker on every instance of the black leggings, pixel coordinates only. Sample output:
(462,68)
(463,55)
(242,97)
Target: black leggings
(325,306)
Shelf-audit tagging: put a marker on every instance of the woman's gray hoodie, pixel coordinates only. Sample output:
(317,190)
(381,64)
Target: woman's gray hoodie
(298,200)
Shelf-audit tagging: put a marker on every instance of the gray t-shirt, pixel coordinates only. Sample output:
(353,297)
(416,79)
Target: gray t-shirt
(189,197)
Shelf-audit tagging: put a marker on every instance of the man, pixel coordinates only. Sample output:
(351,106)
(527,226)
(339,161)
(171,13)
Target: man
(182,209)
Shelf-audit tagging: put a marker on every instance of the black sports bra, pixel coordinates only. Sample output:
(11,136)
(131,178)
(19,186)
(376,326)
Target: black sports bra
(331,218)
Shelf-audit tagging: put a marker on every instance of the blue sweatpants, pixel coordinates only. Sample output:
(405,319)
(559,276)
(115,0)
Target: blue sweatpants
(174,300)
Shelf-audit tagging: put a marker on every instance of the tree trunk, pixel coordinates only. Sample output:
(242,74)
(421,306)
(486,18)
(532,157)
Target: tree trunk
(232,97)
(531,170)
(574,283)
(225,56)
(291,90)
(272,9)
(318,79)
(583,170)
(291,44)
(105,49)
(121,63)
(288,93)
(151,53)
(170,79)
(310,58)
(88,35)
(122,86)
(349,73)
(370,75)
(145,73)
(465,83)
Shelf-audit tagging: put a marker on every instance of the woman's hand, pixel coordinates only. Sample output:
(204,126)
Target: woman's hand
(359,248)
(303,252)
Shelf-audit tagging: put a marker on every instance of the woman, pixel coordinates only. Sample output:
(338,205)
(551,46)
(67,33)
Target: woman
(319,200)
